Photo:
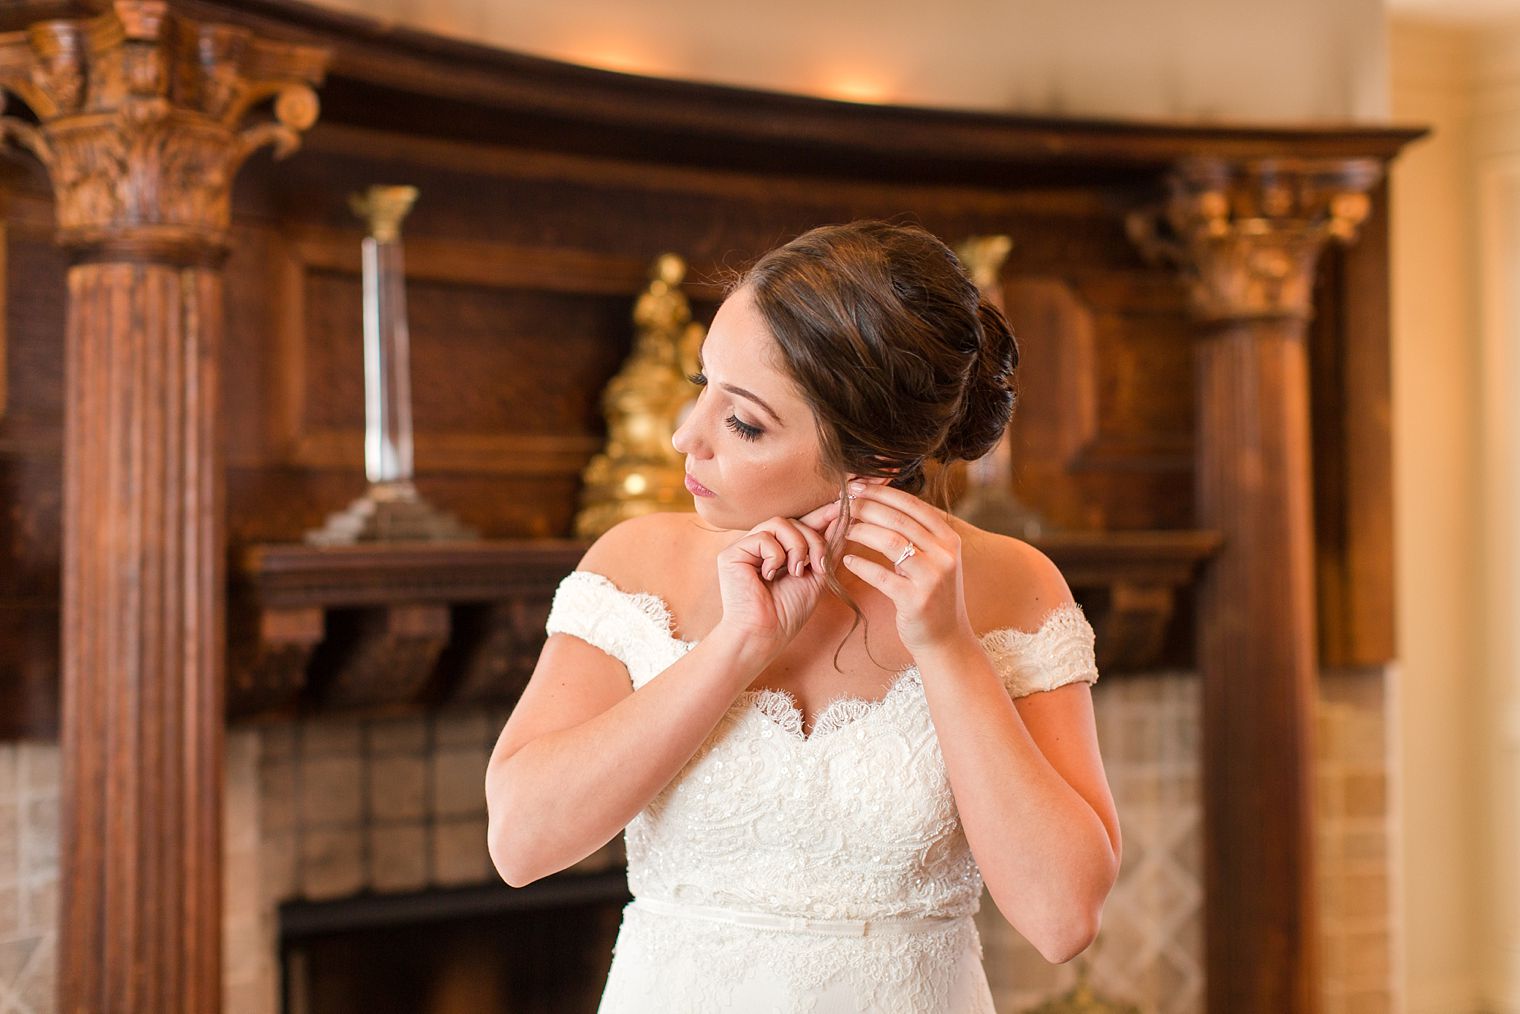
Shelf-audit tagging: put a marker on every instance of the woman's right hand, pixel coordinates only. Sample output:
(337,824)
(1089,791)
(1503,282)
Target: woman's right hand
(772,577)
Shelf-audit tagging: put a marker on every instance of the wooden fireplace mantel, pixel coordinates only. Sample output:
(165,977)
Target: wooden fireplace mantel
(1199,306)
(391,628)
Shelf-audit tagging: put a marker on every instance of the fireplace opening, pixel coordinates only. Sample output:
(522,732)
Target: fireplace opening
(540,949)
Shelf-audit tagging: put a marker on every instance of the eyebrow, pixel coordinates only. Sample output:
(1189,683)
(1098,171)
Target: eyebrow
(741,392)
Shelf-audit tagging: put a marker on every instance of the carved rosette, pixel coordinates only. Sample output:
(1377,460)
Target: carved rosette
(141,120)
(1247,236)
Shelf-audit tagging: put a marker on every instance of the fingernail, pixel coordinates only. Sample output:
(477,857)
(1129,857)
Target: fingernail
(797,568)
(857,487)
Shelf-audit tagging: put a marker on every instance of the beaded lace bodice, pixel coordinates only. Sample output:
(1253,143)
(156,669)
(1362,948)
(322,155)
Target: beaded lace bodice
(854,821)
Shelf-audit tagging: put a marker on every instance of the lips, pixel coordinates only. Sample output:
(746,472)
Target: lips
(696,488)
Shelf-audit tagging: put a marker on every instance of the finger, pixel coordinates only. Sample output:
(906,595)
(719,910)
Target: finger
(789,534)
(886,541)
(764,551)
(802,543)
(817,548)
(880,515)
(818,518)
(927,516)
(889,582)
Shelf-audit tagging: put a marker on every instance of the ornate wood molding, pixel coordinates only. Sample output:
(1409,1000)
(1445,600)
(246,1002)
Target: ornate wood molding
(1247,237)
(144,120)
(140,121)
(604,163)
(407,625)
(1130,584)
(414,625)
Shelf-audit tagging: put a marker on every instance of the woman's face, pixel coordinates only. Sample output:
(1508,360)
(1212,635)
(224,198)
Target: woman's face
(750,438)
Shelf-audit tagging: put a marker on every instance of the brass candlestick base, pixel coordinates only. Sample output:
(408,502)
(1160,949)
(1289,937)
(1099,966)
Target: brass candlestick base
(1083,1000)
(389,512)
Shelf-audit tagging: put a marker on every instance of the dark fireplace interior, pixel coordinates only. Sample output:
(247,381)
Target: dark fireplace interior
(540,949)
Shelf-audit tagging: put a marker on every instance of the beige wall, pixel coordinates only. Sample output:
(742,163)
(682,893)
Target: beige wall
(1495,699)
(1177,59)
(1456,255)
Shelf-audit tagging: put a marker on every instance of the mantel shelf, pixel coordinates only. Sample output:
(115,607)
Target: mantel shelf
(401,626)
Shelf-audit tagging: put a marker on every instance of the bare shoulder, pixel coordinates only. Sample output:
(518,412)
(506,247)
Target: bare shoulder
(1009,583)
(640,553)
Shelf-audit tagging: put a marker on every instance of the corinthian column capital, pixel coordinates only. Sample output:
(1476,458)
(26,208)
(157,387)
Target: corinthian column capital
(143,118)
(1247,235)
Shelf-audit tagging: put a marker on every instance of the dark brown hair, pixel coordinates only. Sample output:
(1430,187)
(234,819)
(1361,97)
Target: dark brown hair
(893,348)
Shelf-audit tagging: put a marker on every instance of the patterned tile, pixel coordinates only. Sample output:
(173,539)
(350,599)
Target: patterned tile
(386,780)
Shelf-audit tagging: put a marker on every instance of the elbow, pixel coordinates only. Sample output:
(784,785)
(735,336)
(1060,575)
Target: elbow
(1060,936)
(507,856)
(505,849)
(514,876)
(1076,934)
(1074,939)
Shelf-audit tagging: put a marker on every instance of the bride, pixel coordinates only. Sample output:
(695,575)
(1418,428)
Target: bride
(825,710)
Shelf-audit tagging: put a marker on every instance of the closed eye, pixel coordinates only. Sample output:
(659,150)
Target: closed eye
(743,429)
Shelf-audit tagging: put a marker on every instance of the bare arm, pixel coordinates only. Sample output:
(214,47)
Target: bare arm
(1032,798)
(1028,780)
(582,753)
(555,797)
(1027,777)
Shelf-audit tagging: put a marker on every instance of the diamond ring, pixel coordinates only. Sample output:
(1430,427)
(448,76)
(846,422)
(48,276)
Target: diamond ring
(908,551)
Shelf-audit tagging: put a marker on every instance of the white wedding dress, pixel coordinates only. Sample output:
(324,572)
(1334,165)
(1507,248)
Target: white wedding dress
(783,873)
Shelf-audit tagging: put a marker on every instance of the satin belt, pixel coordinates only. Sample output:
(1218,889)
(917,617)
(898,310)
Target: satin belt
(795,923)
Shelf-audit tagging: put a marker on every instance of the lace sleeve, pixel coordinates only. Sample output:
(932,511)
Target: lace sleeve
(1060,652)
(632,627)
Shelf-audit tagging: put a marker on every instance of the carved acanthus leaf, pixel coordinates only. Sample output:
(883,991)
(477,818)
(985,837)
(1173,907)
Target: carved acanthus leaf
(141,117)
(1247,236)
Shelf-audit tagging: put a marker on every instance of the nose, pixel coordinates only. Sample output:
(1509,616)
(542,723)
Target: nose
(684,439)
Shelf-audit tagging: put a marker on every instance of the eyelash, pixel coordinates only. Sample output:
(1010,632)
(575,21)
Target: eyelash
(744,430)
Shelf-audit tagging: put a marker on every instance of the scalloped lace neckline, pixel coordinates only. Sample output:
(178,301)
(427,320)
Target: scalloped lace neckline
(780,706)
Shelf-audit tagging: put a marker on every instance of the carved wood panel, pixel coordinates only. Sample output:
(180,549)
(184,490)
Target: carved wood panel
(1105,399)
(516,251)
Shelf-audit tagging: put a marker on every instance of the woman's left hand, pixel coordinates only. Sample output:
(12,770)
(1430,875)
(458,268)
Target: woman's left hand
(926,587)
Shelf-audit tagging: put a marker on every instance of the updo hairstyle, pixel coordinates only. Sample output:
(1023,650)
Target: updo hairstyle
(889,340)
(891,344)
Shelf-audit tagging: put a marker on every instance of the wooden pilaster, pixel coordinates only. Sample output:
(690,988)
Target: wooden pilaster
(1247,236)
(140,122)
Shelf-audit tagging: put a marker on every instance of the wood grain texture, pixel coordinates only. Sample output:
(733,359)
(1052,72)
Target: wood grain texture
(546,190)
(1255,628)
(1351,392)
(142,656)
(1248,238)
(140,117)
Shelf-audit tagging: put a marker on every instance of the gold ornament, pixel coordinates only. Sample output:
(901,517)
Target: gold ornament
(639,470)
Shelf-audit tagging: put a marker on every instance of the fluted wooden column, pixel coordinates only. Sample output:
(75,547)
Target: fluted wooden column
(1248,236)
(143,118)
